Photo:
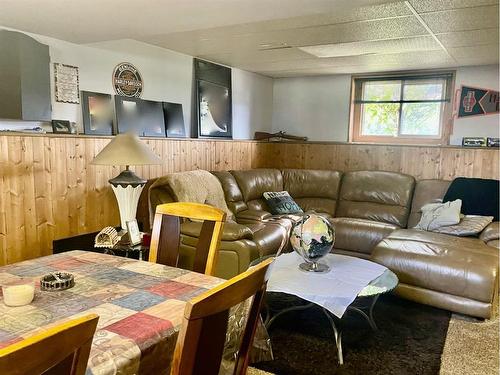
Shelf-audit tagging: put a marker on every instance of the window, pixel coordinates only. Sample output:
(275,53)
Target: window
(403,109)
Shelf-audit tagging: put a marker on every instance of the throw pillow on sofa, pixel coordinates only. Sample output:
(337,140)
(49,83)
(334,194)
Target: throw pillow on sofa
(469,225)
(281,203)
(436,215)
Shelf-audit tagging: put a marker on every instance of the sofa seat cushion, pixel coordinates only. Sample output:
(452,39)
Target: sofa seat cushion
(464,267)
(359,235)
(252,216)
(230,232)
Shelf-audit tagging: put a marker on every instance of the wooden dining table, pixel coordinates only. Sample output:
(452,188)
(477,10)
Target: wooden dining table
(140,307)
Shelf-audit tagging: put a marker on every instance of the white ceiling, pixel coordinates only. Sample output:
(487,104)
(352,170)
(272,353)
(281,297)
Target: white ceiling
(281,38)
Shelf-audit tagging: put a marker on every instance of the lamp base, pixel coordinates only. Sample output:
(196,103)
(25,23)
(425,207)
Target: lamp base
(127,177)
(127,187)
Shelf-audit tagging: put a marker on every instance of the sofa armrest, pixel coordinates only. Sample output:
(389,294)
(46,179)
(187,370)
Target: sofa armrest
(230,232)
(491,232)
(252,216)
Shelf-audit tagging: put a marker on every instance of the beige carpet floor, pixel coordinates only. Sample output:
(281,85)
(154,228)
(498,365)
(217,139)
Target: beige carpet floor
(471,347)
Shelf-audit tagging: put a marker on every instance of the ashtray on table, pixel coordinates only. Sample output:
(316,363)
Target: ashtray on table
(56,281)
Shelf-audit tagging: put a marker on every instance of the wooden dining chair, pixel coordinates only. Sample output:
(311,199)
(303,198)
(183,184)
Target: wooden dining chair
(165,239)
(61,350)
(200,344)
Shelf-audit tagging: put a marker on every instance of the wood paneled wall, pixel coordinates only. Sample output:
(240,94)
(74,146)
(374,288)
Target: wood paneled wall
(49,190)
(418,161)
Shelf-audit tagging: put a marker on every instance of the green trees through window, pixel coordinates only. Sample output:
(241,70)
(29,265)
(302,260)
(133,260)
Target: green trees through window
(401,107)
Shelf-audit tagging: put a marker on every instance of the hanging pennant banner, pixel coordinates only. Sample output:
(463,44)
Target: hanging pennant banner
(475,102)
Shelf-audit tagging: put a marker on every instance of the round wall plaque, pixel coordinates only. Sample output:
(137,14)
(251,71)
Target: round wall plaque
(127,81)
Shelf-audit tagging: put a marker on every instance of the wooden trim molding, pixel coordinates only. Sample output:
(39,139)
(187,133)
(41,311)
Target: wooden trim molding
(49,190)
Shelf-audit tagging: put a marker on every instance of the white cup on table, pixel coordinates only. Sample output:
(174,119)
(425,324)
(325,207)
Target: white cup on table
(19,292)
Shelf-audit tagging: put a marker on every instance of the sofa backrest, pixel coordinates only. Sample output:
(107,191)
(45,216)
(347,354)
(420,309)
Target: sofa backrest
(426,191)
(316,190)
(232,192)
(376,195)
(255,182)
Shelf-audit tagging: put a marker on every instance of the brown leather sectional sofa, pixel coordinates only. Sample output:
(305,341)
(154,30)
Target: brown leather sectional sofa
(371,211)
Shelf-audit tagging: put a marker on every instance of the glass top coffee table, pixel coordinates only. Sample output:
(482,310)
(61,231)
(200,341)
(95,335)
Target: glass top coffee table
(363,305)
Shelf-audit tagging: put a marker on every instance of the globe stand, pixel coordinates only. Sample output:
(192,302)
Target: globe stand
(314,267)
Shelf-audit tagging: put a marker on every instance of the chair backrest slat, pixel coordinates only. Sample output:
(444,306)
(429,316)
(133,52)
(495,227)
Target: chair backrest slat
(201,340)
(61,350)
(165,239)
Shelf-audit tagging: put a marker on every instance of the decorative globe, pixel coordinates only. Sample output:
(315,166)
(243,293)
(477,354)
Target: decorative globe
(313,237)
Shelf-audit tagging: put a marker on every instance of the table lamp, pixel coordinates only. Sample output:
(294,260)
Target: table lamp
(126,149)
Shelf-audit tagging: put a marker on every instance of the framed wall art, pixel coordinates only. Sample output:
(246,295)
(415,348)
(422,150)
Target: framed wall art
(143,117)
(213,103)
(97,110)
(67,84)
(63,127)
(214,110)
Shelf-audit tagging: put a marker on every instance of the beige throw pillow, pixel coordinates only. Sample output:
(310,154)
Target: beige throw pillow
(469,225)
(437,215)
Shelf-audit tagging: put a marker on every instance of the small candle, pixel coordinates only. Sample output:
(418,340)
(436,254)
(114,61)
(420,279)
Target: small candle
(19,293)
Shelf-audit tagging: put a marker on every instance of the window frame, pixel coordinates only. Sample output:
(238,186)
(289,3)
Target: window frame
(446,120)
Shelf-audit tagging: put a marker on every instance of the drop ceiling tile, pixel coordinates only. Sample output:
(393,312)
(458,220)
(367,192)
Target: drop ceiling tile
(462,19)
(356,31)
(469,38)
(398,59)
(211,43)
(478,61)
(423,6)
(266,56)
(356,69)
(486,51)
(388,10)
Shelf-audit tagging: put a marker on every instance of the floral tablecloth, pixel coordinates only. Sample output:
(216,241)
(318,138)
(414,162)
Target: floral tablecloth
(140,307)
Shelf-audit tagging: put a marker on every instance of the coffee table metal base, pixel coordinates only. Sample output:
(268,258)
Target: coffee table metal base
(331,318)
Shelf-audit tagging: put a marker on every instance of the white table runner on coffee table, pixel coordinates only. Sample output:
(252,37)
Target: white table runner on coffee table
(334,290)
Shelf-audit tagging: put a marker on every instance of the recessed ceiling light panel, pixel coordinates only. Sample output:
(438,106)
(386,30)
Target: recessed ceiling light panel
(373,47)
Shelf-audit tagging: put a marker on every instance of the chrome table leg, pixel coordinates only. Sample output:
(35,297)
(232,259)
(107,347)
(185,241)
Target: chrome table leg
(338,336)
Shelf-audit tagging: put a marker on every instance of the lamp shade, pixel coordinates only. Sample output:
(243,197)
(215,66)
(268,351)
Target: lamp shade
(126,149)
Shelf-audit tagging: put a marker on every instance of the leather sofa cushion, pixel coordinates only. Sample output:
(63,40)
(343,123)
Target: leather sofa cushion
(232,192)
(230,232)
(491,232)
(313,190)
(306,183)
(320,205)
(359,235)
(268,237)
(376,195)
(255,182)
(464,267)
(258,205)
(426,191)
(494,243)
(251,216)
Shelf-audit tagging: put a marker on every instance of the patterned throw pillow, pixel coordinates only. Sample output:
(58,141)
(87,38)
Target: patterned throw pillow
(469,225)
(437,215)
(281,203)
